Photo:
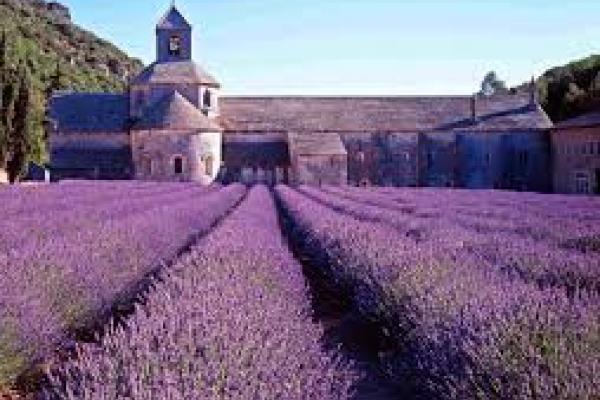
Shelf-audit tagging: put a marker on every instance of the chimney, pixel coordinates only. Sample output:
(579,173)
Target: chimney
(474,108)
(532,93)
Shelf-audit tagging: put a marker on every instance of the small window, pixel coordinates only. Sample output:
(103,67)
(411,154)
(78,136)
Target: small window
(208,165)
(523,158)
(178,165)
(360,157)
(147,165)
(430,159)
(488,159)
(207,100)
(175,46)
(582,183)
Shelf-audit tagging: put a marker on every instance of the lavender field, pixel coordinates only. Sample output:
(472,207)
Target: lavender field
(174,291)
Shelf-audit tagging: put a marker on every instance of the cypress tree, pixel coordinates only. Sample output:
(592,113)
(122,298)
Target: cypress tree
(6,99)
(20,138)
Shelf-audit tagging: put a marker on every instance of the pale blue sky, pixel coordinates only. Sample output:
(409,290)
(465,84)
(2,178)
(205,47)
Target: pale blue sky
(359,47)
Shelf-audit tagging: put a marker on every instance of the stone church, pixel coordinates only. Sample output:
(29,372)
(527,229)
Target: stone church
(172,124)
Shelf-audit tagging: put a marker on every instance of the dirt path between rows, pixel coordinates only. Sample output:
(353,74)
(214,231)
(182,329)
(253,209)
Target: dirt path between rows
(344,331)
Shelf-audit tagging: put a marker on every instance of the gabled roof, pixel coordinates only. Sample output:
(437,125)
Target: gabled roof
(89,112)
(175,112)
(90,158)
(583,121)
(183,72)
(327,143)
(380,114)
(173,20)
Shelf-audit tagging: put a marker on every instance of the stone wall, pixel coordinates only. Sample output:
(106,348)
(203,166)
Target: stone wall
(576,160)
(320,170)
(156,153)
(477,160)
(162,44)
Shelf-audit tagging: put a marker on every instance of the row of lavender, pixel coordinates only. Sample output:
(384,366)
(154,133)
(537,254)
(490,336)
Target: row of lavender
(521,244)
(455,325)
(70,253)
(231,320)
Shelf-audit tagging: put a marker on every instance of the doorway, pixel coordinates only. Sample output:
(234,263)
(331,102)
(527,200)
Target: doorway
(597,180)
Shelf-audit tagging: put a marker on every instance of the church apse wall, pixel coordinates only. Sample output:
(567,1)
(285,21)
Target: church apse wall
(171,156)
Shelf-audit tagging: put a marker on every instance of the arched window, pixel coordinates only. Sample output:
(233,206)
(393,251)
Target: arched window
(582,183)
(146,165)
(139,98)
(178,165)
(207,99)
(208,165)
(175,45)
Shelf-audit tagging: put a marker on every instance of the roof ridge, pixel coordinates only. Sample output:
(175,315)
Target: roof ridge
(367,97)
(167,23)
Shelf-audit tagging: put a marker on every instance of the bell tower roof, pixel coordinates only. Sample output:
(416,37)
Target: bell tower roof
(173,20)
(173,37)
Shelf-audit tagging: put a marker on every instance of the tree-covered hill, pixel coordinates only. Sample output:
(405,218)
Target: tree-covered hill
(43,32)
(570,90)
(42,39)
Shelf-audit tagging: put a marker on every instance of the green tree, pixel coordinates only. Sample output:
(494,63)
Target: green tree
(20,137)
(7,98)
(491,84)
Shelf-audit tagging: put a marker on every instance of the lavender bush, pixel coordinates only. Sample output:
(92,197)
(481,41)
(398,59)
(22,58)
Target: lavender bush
(231,320)
(540,259)
(66,271)
(460,328)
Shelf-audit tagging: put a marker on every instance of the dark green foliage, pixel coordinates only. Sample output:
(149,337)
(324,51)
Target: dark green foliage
(59,56)
(570,90)
(21,137)
(491,84)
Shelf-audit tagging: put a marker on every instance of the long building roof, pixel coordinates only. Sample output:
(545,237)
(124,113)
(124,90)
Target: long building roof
(89,112)
(583,121)
(101,112)
(380,114)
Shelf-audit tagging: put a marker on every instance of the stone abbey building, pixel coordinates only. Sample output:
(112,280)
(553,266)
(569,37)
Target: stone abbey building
(173,125)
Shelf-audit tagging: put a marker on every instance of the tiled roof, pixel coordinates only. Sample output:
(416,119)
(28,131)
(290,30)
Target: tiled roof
(325,143)
(173,20)
(379,114)
(175,72)
(265,154)
(89,112)
(90,158)
(175,112)
(582,121)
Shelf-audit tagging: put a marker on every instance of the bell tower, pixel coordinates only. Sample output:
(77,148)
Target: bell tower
(173,37)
